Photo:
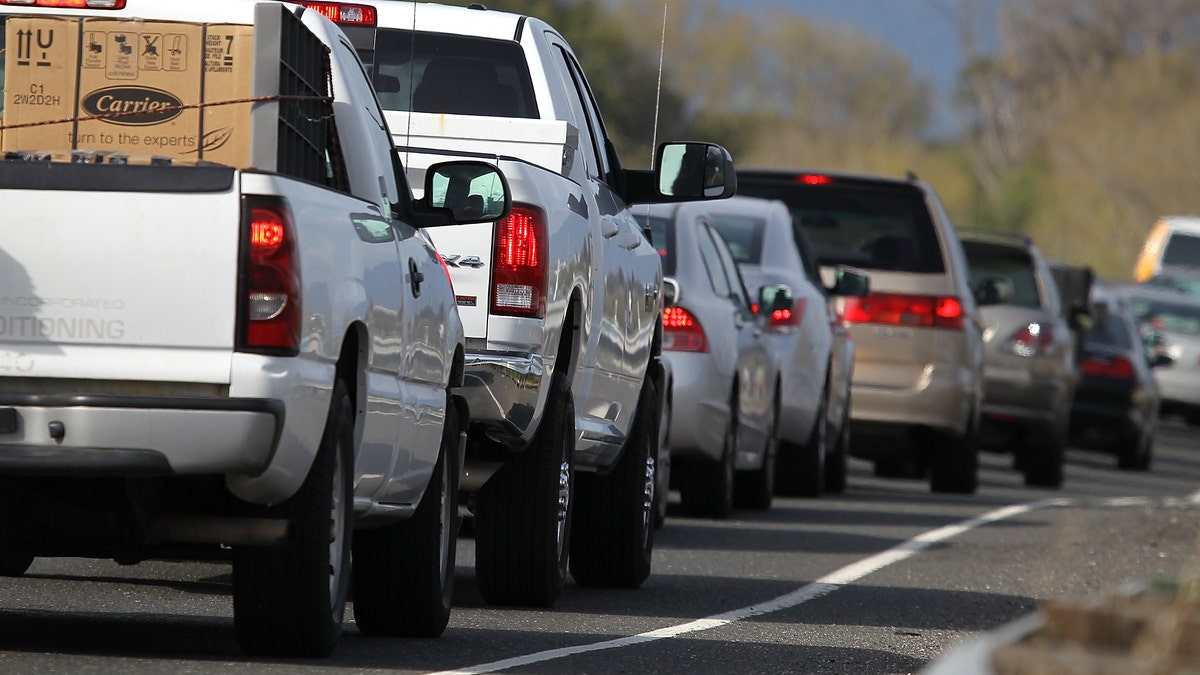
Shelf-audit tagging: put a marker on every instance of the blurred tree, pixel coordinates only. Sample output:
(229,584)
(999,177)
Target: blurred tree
(1083,131)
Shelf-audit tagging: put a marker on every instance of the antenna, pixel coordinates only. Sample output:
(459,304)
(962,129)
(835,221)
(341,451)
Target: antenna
(412,76)
(662,48)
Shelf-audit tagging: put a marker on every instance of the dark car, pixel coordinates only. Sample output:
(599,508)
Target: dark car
(1116,398)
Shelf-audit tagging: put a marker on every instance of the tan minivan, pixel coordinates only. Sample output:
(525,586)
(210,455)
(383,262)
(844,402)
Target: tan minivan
(917,385)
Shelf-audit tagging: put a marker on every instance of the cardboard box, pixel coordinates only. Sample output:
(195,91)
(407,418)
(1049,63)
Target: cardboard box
(131,86)
(228,63)
(40,74)
(140,86)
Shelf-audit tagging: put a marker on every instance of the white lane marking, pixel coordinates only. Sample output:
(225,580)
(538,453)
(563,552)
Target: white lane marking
(821,587)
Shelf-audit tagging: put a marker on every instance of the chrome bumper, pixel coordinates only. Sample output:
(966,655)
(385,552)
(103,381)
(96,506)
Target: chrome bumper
(504,392)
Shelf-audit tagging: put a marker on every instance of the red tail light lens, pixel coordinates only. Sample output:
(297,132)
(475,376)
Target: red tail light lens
(519,272)
(343,13)
(69,4)
(1116,367)
(788,318)
(682,332)
(893,309)
(271,279)
(1032,340)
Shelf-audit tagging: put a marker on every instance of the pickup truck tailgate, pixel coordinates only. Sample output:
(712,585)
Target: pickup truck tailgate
(118,285)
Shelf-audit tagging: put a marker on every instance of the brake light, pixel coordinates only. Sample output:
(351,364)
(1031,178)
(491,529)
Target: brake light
(343,13)
(69,4)
(895,309)
(788,318)
(519,274)
(682,332)
(271,279)
(1116,367)
(1032,340)
(814,179)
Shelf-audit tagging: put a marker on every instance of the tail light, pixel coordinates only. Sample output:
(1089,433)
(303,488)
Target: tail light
(1116,367)
(343,13)
(682,332)
(813,179)
(270,279)
(788,318)
(68,4)
(519,272)
(893,309)
(1032,340)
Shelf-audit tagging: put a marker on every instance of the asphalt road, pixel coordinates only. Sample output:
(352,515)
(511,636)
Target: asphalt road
(881,579)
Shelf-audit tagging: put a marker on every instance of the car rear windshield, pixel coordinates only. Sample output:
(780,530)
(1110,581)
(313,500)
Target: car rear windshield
(1115,331)
(1166,315)
(662,237)
(999,261)
(451,74)
(879,227)
(744,234)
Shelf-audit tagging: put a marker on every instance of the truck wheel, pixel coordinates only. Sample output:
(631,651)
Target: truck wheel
(837,460)
(290,600)
(706,488)
(955,465)
(1134,452)
(612,536)
(14,564)
(755,489)
(404,572)
(523,514)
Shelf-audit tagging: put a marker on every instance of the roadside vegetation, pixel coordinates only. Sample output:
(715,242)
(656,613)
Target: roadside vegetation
(1082,116)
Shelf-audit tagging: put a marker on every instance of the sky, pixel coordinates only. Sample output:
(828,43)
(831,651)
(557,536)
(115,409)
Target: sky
(916,29)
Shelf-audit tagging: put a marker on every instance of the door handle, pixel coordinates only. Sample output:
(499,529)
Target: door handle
(415,277)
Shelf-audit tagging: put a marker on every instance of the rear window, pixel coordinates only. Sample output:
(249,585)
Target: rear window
(744,236)
(451,74)
(1115,331)
(996,261)
(1182,249)
(1169,316)
(871,227)
(662,238)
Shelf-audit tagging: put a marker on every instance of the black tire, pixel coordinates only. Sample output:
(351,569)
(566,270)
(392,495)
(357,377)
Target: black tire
(955,462)
(662,495)
(612,536)
(838,458)
(1135,451)
(14,564)
(404,572)
(290,600)
(706,488)
(1042,463)
(755,488)
(523,513)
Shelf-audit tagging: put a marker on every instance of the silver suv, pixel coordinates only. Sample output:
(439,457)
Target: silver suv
(917,388)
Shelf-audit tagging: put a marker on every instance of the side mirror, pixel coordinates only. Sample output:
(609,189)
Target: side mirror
(468,192)
(850,283)
(670,292)
(777,298)
(687,171)
(993,291)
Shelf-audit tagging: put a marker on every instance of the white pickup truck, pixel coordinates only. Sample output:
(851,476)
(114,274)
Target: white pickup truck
(251,362)
(561,301)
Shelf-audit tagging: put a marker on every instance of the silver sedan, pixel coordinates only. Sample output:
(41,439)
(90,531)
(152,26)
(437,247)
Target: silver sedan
(726,396)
